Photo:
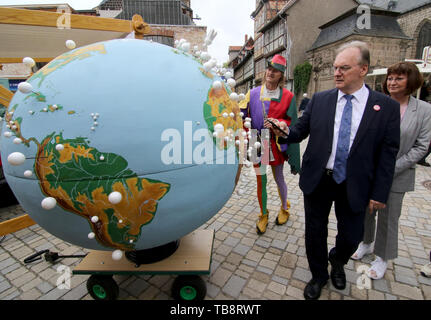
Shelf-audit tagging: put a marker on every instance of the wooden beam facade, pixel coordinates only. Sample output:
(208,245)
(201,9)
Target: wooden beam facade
(52,19)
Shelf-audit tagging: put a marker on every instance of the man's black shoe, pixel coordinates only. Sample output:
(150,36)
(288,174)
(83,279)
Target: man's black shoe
(338,276)
(313,288)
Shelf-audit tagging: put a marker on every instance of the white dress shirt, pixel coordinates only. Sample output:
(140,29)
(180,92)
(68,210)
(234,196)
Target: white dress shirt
(359,102)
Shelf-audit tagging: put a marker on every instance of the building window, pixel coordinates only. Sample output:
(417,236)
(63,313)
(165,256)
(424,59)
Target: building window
(239,74)
(260,65)
(274,38)
(260,69)
(424,39)
(258,47)
(260,19)
(248,68)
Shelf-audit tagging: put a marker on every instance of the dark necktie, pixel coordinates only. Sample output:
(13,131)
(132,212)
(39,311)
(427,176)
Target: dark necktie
(343,142)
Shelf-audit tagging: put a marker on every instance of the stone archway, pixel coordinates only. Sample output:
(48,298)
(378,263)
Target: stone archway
(423,38)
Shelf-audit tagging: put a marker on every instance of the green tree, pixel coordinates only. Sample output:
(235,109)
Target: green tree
(301,77)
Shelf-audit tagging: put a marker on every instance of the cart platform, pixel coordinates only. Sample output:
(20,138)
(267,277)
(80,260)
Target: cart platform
(193,256)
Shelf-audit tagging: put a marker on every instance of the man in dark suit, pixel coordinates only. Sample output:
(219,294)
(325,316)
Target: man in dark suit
(354,136)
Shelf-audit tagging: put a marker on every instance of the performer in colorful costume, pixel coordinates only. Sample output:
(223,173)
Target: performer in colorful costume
(273,101)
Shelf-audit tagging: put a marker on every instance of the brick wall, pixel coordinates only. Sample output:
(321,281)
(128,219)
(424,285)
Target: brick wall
(193,34)
(411,24)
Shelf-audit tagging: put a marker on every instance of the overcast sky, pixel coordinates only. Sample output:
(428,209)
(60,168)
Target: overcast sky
(229,18)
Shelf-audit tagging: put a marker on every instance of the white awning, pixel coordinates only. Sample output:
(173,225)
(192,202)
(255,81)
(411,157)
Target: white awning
(423,68)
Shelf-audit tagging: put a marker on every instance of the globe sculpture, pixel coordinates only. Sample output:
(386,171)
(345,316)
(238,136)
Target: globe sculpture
(122,145)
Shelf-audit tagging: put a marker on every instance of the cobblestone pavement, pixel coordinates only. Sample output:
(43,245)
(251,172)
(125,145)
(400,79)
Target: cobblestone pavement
(244,265)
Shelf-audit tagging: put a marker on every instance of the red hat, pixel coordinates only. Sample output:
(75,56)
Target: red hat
(278,62)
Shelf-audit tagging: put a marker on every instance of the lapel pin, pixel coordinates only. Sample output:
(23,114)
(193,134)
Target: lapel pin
(376,107)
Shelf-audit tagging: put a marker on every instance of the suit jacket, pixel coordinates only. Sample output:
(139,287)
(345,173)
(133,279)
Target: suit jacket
(414,143)
(371,160)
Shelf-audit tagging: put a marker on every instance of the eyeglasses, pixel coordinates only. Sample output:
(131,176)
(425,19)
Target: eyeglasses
(342,69)
(397,79)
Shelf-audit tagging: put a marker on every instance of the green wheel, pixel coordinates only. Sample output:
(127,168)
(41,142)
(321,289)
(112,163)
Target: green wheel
(102,287)
(189,288)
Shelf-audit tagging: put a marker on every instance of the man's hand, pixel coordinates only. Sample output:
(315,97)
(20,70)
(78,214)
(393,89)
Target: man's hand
(268,125)
(281,124)
(375,205)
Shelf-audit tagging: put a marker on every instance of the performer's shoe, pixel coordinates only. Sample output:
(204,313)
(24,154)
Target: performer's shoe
(283,215)
(262,223)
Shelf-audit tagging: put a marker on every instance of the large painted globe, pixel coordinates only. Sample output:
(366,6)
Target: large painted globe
(124,144)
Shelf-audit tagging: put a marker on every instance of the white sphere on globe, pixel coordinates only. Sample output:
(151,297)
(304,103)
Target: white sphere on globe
(186,47)
(25,87)
(217,85)
(117,255)
(29,62)
(231,82)
(205,56)
(16,158)
(234,96)
(115,197)
(49,203)
(218,127)
(28,173)
(207,66)
(70,44)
